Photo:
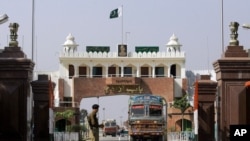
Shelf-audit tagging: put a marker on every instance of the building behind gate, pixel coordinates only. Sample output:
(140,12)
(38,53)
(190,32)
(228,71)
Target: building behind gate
(98,72)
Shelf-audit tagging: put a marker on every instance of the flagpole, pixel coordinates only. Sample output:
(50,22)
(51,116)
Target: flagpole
(122,24)
(222,27)
(33,30)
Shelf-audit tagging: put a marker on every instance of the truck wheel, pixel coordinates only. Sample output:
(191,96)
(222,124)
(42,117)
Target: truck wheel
(160,138)
(131,138)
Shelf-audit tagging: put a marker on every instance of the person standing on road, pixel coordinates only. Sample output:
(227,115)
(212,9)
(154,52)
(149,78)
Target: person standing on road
(93,123)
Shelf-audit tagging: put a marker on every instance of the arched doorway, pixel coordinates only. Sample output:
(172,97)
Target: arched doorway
(187,125)
(61,125)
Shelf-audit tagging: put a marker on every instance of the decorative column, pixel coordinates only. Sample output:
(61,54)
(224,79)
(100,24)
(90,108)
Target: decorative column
(76,68)
(232,71)
(138,71)
(153,71)
(206,98)
(91,70)
(16,99)
(169,68)
(117,71)
(122,69)
(43,102)
(107,70)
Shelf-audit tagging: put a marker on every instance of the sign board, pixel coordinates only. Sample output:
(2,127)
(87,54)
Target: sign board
(97,49)
(146,49)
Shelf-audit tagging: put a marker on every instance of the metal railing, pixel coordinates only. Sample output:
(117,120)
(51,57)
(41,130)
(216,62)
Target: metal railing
(130,54)
(67,104)
(119,75)
(180,136)
(66,136)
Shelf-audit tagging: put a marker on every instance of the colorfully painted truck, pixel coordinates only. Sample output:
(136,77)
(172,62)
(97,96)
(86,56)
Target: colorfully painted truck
(147,118)
(110,127)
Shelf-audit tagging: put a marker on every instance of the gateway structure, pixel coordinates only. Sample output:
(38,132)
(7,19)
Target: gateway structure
(97,72)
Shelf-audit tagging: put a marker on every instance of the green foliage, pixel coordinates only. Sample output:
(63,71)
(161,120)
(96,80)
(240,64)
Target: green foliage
(65,114)
(188,129)
(76,128)
(181,103)
(172,129)
(83,114)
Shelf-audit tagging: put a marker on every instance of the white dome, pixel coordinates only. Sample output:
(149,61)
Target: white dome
(173,41)
(70,41)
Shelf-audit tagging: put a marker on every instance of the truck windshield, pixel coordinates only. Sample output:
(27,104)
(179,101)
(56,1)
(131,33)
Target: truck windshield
(106,124)
(155,110)
(110,124)
(137,110)
(113,124)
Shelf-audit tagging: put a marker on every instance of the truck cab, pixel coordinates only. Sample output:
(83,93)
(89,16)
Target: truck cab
(110,128)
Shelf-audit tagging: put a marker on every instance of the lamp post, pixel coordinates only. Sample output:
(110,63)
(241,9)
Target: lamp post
(98,115)
(3,18)
(103,113)
(222,26)
(121,120)
(33,30)
(246,26)
(126,37)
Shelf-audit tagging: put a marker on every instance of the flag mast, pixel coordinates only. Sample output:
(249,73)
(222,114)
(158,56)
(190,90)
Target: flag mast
(122,22)
(118,12)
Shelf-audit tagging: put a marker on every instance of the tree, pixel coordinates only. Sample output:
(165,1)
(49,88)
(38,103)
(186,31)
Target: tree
(182,104)
(65,115)
(83,115)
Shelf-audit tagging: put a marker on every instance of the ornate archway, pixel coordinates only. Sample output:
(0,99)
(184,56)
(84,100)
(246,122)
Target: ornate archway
(187,125)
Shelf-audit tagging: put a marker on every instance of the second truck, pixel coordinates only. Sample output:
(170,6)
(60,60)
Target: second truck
(110,127)
(147,118)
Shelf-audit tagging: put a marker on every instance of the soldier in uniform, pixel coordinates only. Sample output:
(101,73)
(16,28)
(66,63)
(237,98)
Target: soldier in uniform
(93,123)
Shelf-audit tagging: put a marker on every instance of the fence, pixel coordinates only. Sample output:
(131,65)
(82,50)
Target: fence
(180,136)
(66,136)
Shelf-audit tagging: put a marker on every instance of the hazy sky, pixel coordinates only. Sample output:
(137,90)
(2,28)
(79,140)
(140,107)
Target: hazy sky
(111,107)
(197,24)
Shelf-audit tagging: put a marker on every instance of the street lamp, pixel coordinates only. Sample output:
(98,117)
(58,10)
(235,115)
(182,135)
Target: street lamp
(3,18)
(121,120)
(33,30)
(126,34)
(246,26)
(103,113)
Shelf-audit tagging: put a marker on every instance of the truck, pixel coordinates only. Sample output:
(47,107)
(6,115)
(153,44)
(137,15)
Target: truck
(110,127)
(147,118)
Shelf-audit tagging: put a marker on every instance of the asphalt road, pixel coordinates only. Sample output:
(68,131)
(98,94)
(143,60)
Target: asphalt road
(110,138)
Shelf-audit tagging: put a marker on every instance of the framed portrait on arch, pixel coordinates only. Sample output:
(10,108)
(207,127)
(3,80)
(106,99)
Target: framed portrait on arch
(122,50)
